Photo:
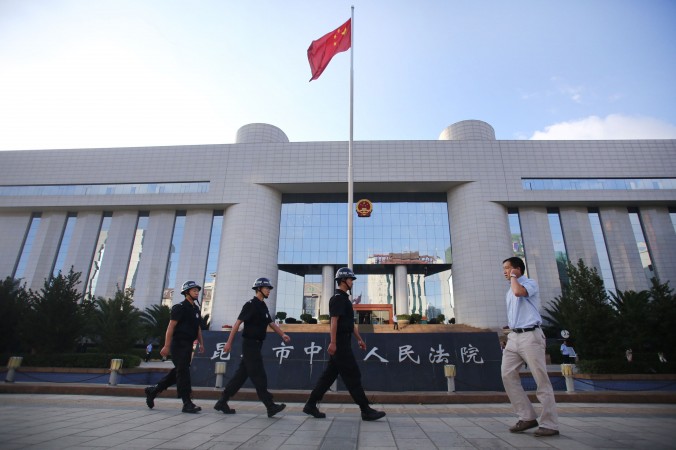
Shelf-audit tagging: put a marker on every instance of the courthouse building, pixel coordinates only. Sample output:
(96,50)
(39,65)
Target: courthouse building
(446,212)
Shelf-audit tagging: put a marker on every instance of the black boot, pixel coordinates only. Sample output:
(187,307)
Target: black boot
(311,409)
(369,414)
(190,407)
(151,393)
(275,408)
(222,405)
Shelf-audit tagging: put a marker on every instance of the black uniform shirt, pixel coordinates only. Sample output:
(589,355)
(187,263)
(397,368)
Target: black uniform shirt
(189,320)
(256,317)
(340,306)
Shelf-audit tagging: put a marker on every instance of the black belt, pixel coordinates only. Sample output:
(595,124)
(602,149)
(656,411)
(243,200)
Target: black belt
(523,330)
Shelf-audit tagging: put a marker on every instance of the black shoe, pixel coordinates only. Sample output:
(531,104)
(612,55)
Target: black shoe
(222,406)
(371,414)
(191,408)
(275,408)
(313,411)
(151,393)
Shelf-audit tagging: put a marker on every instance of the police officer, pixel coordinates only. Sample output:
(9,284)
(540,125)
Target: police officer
(183,329)
(342,361)
(256,318)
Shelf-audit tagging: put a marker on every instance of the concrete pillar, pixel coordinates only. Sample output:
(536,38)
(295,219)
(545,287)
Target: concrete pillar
(579,237)
(540,256)
(401,290)
(480,240)
(153,265)
(116,254)
(622,249)
(13,228)
(44,250)
(248,250)
(192,264)
(661,237)
(328,288)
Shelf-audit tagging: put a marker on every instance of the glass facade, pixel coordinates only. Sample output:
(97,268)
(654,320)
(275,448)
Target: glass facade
(518,249)
(641,244)
(413,232)
(136,249)
(174,256)
(585,184)
(212,263)
(672,216)
(107,189)
(27,245)
(601,250)
(99,251)
(559,244)
(65,243)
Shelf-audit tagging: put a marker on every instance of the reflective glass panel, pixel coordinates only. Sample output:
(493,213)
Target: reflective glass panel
(212,263)
(672,216)
(174,256)
(559,244)
(27,245)
(602,250)
(559,184)
(107,189)
(518,248)
(137,249)
(99,251)
(641,244)
(65,243)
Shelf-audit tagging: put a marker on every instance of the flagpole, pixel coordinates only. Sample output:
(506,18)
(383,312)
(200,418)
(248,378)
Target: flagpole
(350,186)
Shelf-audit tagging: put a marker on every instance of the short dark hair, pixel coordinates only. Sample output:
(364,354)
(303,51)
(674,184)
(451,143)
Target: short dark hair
(516,263)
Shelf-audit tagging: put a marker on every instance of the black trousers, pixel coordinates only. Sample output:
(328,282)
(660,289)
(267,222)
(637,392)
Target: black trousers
(181,354)
(342,363)
(252,367)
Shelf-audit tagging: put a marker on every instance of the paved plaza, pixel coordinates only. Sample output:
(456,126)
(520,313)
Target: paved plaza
(47,421)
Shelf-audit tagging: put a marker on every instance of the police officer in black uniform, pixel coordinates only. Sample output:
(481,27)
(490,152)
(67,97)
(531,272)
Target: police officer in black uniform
(183,329)
(342,361)
(256,318)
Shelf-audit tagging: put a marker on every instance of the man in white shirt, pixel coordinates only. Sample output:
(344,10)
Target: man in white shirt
(526,344)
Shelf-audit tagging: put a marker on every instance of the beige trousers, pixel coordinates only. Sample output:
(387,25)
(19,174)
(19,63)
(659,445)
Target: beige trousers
(529,347)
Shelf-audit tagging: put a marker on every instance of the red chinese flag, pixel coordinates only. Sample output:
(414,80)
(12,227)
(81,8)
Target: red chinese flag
(323,49)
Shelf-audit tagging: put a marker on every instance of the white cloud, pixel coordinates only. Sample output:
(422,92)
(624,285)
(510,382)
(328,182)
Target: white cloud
(614,126)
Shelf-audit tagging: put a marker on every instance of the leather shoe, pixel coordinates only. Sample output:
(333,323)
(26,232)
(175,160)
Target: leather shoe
(545,432)
(191,408)
(275,408)
(523,425)
(150,396)
(371,414)
(222,406)
(313,411)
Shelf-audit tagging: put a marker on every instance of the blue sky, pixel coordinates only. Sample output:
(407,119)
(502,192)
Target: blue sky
(108,73)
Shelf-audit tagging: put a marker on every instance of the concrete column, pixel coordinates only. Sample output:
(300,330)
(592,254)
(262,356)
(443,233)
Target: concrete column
(116,254)
(153,265)
(401,290)
(480,241)
(659,232)
(328,288)
(540,256)
(249,250)
(13,228)
(579,237)
(82,244)
(45,247)
(192,264)
(622,249)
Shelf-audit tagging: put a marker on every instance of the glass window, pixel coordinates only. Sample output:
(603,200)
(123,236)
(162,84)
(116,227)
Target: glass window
(559,184)
(641,244)
(65,243)
(518,248)
(602,250)
(174,256)
(212,263)
(559,244)
(672,216)
(27,244)
(106,189)
(137,249)
(99,251)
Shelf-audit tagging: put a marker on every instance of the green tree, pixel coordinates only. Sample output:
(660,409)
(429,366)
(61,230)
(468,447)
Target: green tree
(13,307)
(156,320)
(662,318)
(584,309)
(117,323)
(632,319)
(56,314)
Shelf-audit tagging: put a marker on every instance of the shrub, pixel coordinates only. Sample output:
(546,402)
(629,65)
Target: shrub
(612,366)
(281,315)
(415,318)
(290,320)
(305,317)
(324,317)
(403,317)
(312,320)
